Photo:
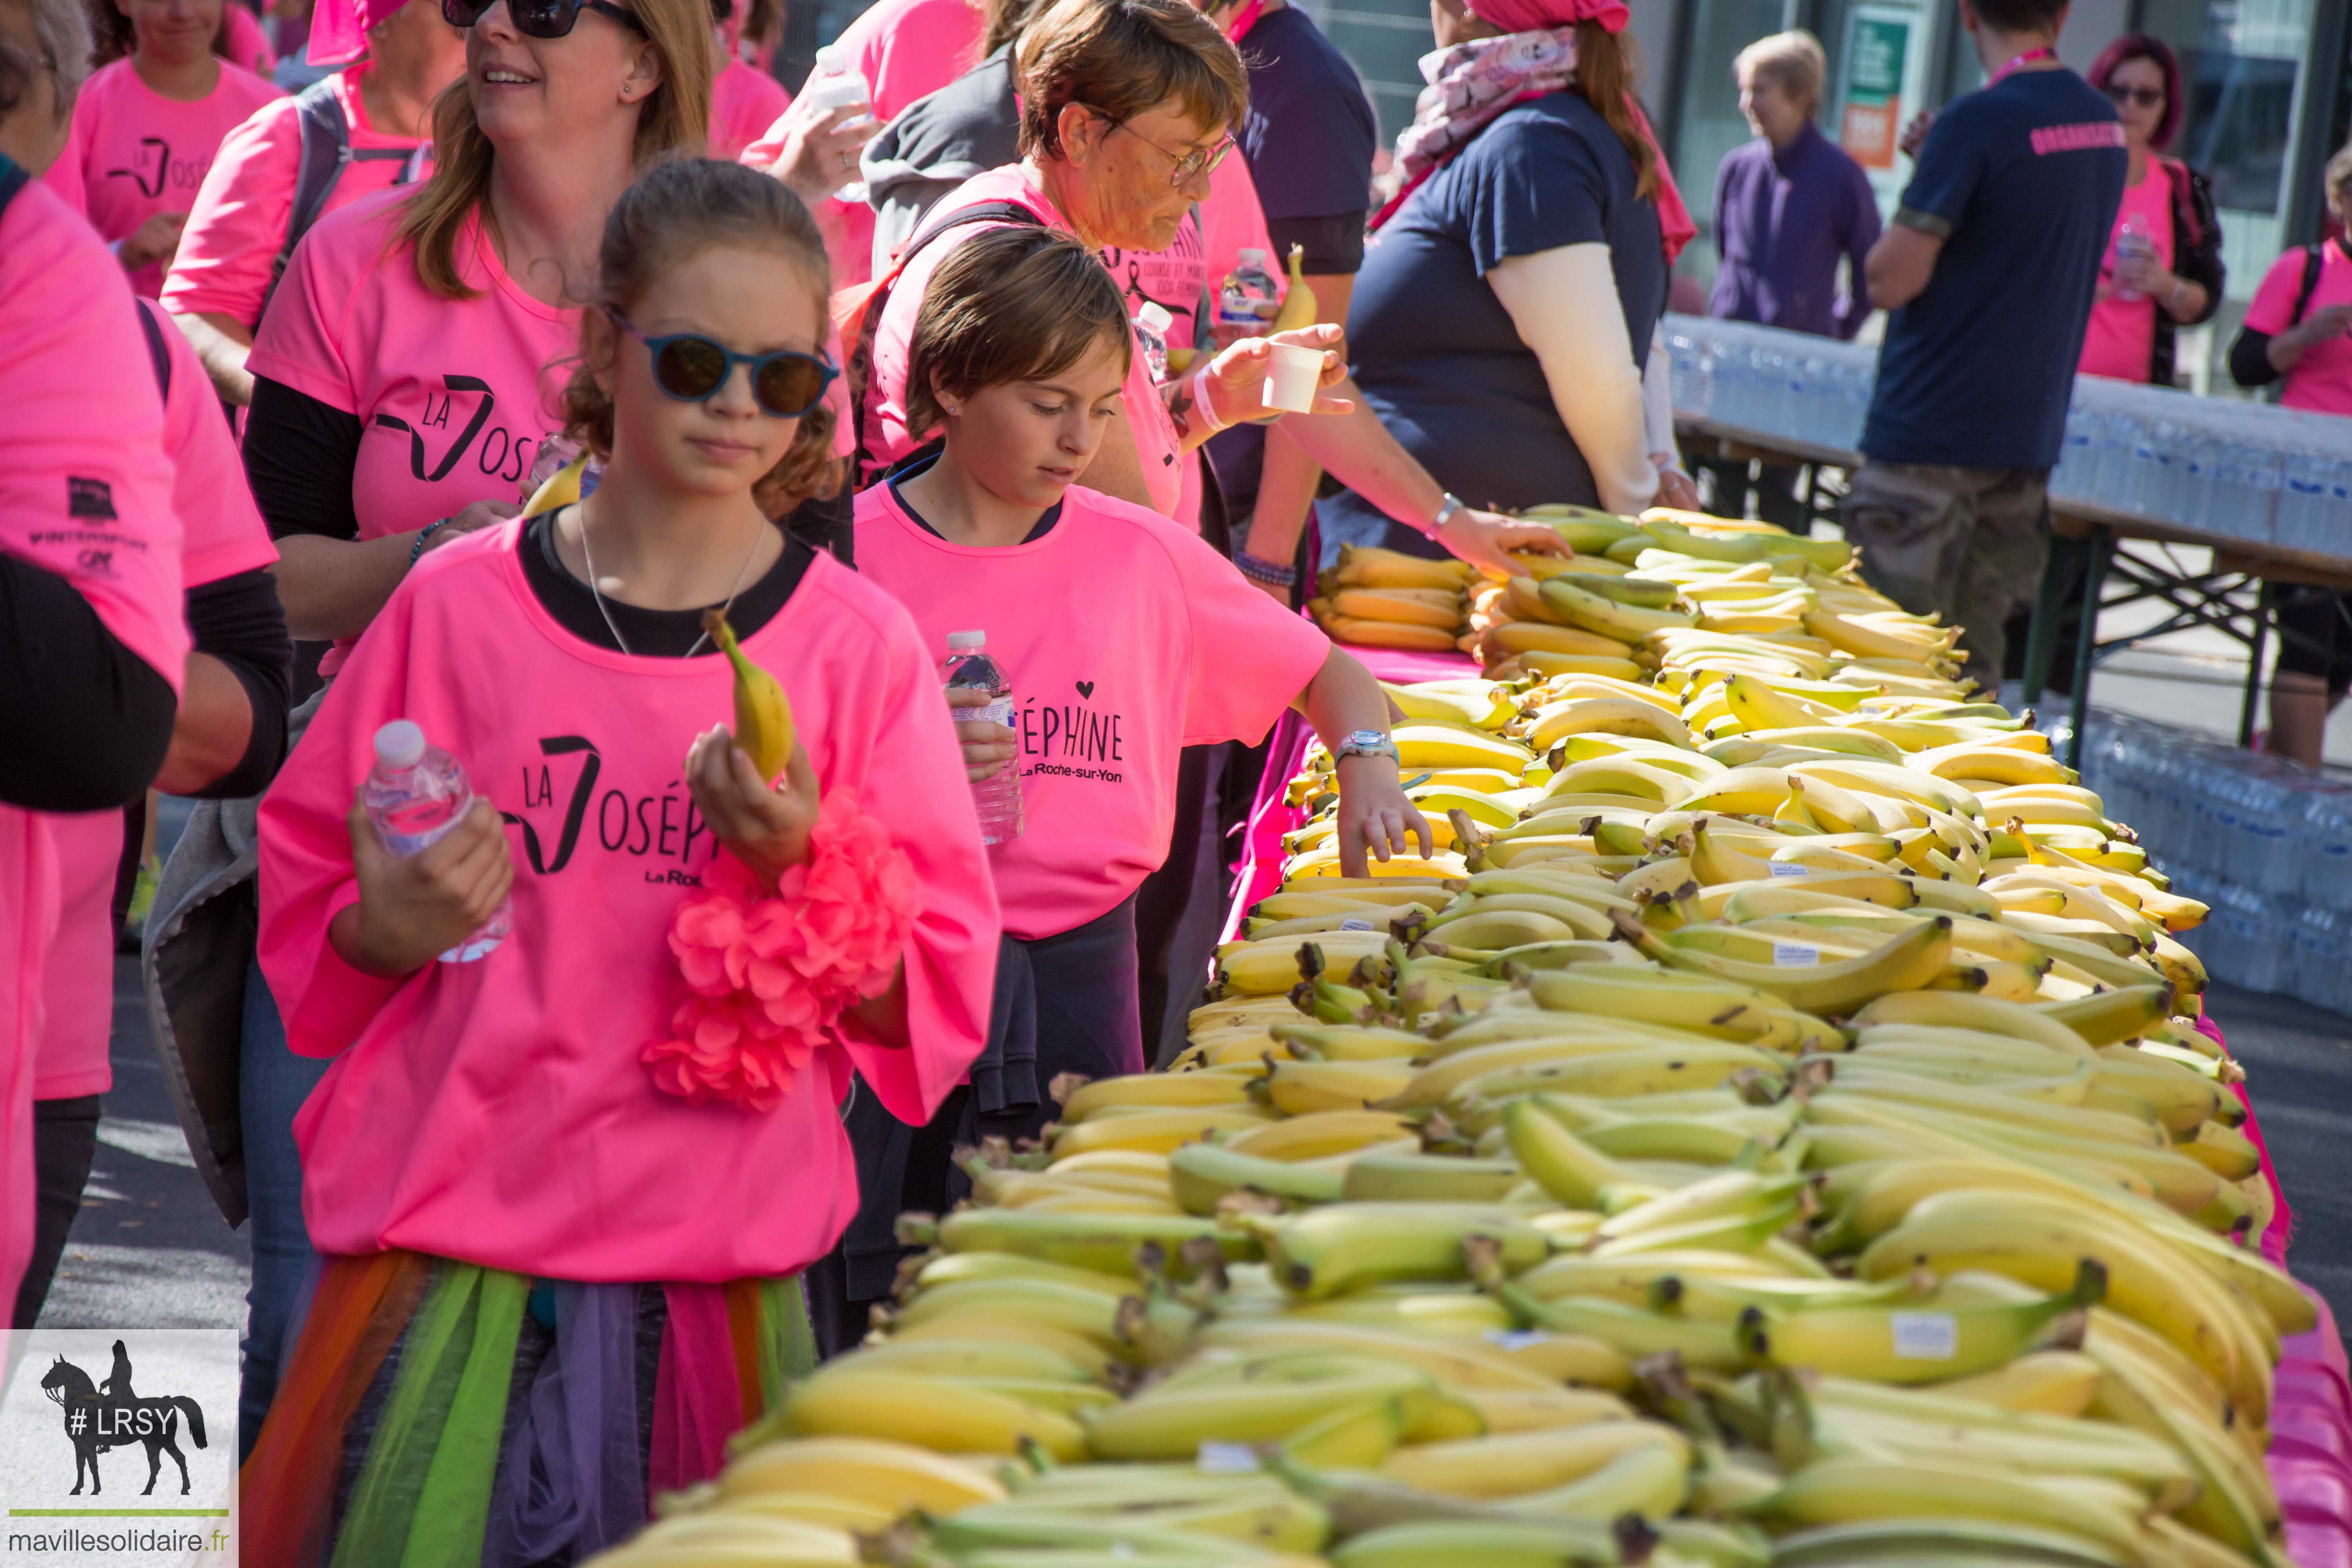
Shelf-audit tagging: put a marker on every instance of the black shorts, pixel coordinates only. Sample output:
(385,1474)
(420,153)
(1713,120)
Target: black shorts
(2315,634)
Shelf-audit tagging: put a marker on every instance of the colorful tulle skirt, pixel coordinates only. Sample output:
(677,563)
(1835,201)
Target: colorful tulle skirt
(436,1412)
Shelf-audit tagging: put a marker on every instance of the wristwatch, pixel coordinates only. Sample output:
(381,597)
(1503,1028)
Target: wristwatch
(1451,504)
(1364,743)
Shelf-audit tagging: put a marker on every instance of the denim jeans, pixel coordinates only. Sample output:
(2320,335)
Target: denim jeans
(273,1084)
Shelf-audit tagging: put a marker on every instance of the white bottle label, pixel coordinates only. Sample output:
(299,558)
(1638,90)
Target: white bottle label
(1926,1336)
(997,713)
(1795,954)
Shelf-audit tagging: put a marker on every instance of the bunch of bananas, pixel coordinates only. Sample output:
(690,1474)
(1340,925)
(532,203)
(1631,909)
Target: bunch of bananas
(1384,598)
(1771,1132)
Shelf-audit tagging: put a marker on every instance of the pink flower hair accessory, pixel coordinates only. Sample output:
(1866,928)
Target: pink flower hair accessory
(768,977)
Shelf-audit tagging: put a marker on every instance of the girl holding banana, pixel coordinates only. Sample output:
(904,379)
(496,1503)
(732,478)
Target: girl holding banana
(589,1166)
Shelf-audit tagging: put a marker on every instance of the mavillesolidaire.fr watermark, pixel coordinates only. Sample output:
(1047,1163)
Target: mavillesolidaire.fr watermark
(119,1445)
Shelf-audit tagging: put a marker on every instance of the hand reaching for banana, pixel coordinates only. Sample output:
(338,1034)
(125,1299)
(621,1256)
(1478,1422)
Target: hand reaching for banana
(1375,815)
(1481,538)
(766,829)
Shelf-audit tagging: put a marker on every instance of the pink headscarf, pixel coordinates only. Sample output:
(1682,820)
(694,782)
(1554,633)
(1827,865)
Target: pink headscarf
(339,28)
(1455,108)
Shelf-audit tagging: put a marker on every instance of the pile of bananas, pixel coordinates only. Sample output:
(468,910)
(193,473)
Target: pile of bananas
(1384,598)
(1770,1133)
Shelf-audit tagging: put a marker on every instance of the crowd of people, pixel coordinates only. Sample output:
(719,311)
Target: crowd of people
(422,401)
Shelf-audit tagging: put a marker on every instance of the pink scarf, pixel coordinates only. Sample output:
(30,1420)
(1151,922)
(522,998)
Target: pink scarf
(1471,84)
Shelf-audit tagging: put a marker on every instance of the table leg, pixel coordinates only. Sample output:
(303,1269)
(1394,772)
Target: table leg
(2254,650)
(2095,577)
(2049,609)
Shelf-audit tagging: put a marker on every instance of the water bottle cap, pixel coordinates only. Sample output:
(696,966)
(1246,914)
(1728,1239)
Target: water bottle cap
(400,744)
(960,642)
(828,59)
(1154,315)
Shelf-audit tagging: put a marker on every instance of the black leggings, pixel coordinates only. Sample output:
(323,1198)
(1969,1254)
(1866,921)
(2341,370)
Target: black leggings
(2316,636)
(65,1142)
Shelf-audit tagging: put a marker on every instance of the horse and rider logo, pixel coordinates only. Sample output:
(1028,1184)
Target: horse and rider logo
(110,1415)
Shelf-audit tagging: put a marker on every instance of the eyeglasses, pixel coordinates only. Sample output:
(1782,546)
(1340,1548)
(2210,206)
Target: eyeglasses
(2146,97)
(538,18)
(693,368)
(1189,166)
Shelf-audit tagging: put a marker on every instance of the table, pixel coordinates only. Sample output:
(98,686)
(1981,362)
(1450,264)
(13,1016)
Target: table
(2235,596)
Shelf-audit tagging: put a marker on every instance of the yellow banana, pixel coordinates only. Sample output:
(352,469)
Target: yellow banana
(764,714)
(1512,1465)
(849,1401)
(1297,297)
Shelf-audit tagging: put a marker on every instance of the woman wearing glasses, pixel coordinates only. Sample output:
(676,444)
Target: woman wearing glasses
(2163,269)
(400,402)
(570,1184)
(1126,108)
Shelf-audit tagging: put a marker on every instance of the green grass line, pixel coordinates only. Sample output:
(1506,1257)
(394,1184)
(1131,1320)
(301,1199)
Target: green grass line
(118,1513)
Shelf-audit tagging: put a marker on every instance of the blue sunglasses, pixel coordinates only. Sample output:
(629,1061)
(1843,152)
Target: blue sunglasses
(692,368)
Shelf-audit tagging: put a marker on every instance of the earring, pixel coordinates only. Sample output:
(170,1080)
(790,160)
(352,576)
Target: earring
(953,410)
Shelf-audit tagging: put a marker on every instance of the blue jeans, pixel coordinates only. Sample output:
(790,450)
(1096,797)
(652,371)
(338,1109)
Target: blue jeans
(273,1084)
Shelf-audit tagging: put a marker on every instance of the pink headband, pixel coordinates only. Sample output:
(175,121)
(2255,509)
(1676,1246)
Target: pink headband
(1536,15)
(339,28)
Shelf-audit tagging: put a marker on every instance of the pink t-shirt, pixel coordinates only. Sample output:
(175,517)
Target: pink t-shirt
(456,394)
(2321,380)
(223,535)
(744,101)
(888,440)
(1125,639)
(138,153)
(89,499)
(238,222)
(497,1112)
(85,486)
(908,48)
(2121,339)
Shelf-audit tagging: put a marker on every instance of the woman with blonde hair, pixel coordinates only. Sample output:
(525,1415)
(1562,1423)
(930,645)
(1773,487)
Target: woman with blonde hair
(402,398)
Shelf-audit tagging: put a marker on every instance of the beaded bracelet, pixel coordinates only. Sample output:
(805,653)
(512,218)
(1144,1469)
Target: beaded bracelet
(1264,572)
(422,534)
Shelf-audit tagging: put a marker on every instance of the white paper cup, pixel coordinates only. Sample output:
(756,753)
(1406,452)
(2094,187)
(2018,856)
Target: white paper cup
(1291,377)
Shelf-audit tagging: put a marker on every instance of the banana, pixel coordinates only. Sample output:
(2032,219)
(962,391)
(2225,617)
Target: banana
(1106,1244)
(1345,1247)
(891,1476)
(1366,633)
(1154,1131)
(1285,1394)
(1523,637)
(1630,715)
(1957,1010)
(1423,744)
(1471,1368)
(1901,1344)
(2045,1383)
(1537,662)
(1298,297)
(1902,962)
(1481,1543)
(1319,1135)
(850,1400)
(764,714)
(1420,1178)
(1410,606)
(1606,617)
(1852,1489)
(1202,1174)
(1367,566)
(1512,1466)
(1488,707)
(2038,1240)
(1158,1089)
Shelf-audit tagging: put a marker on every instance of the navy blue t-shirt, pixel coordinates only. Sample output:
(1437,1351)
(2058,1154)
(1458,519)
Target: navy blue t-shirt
(2022,181)
(1436,355)
(1308,138)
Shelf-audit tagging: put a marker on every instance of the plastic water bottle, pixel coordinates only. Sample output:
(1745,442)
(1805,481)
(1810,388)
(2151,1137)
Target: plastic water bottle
(998,796)
(835,82)
(415,795)
(1248,298)
(2133,242)
(1151,324)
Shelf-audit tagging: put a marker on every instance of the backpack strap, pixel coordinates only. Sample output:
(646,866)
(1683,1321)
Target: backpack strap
(326,148)
(2313,258)
(156,350)
(857,310)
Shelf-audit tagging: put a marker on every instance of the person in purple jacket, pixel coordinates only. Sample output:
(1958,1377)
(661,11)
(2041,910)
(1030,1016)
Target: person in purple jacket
(1786,207)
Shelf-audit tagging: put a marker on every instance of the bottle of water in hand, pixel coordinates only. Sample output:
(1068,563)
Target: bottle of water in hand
(415,795)
(2131,244)
(998,796)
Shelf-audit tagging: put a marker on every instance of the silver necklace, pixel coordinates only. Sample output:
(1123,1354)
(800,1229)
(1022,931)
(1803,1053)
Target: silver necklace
(588,557)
